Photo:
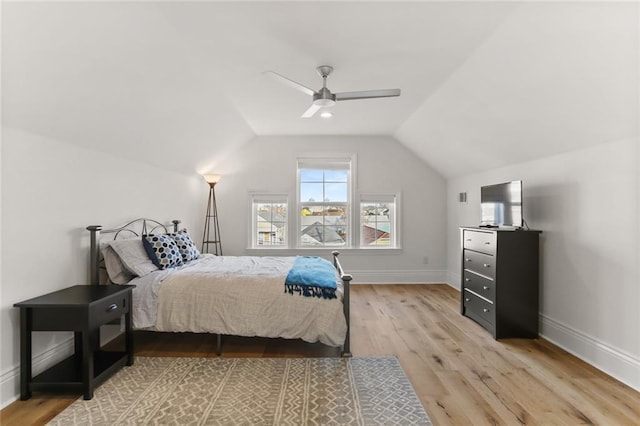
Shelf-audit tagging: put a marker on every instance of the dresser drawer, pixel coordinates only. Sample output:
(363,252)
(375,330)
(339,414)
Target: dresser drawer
(109,309)
(484,242)
(478,309)
(480,263)
(480,285)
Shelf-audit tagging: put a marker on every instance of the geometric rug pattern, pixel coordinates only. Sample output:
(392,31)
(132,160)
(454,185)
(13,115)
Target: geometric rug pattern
(252,391)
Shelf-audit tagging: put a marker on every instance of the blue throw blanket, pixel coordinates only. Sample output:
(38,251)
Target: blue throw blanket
(312,276)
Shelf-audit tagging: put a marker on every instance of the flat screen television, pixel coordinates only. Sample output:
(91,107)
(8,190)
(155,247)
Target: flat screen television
(502,204)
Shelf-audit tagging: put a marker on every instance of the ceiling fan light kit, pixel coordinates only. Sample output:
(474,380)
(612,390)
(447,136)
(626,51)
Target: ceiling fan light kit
(324,98)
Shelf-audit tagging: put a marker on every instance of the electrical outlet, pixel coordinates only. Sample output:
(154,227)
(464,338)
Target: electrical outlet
(425,260)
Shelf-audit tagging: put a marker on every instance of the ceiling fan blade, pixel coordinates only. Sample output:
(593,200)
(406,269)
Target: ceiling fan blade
(367,94)
(289,82)
(311,111)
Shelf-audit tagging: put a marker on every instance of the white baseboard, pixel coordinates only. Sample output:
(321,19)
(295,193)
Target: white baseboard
(10,379)
(399,276)
(611,360)
(454,279)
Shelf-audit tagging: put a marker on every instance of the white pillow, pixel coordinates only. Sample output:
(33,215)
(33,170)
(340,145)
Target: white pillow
(118,273)
(133,256)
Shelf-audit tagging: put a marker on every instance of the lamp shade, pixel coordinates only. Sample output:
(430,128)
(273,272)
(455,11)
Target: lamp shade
(212,178)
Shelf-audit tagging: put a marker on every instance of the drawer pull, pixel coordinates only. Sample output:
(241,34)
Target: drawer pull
(485,287)
(467,260)
(112,308)
(486,265)
(466,299)
(487,242)
(469,239)
(467,280)
(485,310)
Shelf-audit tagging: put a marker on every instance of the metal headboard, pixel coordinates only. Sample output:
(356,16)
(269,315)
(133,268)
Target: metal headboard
(135,228)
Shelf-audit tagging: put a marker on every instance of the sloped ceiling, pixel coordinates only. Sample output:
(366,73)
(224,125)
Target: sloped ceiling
(179,84)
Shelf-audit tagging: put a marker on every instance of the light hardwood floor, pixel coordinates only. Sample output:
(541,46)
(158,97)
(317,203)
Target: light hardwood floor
(460,373)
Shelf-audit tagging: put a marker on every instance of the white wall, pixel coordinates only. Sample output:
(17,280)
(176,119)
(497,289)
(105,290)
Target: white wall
(268,164)
(587,205)
(50,192)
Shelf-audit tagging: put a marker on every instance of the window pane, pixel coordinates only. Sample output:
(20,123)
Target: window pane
(336,175)
(311,175)
(310,192)
(336,192)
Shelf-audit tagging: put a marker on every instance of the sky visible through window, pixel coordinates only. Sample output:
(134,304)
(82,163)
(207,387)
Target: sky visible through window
(323,185)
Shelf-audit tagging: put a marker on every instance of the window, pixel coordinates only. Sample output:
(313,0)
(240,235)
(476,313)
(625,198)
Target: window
(324,194)
(378,221)
(328,213)
(269,217)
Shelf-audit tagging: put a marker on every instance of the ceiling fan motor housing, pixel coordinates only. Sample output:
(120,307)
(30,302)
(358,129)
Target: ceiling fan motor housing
(324,98)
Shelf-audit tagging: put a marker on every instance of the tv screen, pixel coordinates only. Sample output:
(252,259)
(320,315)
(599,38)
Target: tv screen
(502,204)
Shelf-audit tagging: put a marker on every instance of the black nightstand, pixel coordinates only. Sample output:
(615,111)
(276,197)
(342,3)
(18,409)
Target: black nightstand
(81,309)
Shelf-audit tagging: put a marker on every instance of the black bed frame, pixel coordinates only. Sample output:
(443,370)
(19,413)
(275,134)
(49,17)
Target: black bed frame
(138,227)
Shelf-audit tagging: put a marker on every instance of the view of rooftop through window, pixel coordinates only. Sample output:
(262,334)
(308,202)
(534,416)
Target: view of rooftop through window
(324,204)
(376,219)
(270,223)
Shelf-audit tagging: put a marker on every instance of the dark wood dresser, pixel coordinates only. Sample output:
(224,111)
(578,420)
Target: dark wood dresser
(81,309)
(499,288)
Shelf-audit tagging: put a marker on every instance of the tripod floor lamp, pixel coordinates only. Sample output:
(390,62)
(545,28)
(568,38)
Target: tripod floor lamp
(211,236)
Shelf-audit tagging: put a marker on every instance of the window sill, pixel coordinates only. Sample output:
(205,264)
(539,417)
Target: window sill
(320,251)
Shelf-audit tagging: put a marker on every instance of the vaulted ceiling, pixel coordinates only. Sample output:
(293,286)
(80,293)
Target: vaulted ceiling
(484,84)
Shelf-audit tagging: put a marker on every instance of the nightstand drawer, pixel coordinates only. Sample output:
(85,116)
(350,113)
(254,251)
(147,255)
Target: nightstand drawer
(480,285)
(479,309)
(482,264)
(109,309)
(484,242)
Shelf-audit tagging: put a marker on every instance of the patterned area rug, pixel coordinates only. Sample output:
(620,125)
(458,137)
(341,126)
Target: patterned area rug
(253,391)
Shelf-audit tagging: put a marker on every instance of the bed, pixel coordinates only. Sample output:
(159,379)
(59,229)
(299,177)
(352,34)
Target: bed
(222,295)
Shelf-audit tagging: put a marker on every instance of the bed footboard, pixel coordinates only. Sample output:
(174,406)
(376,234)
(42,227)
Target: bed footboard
(346,281)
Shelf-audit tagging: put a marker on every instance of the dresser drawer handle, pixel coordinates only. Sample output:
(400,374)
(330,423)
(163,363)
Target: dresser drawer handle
(467,280)
(485,287)
(112,307)
(487,242)
(486,265)
(467,260)
(469,239)
(466,299)
(485,310)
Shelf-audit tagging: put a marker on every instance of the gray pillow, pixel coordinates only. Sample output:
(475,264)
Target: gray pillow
(118,273)
(133,256)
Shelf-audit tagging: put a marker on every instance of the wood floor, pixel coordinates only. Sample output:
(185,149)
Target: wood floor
(460,373)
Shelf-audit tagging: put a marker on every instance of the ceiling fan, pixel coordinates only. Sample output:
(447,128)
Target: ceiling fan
(324,97)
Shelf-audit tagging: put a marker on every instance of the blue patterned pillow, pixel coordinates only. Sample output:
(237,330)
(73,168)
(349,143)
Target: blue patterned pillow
(186,246)
(162,250)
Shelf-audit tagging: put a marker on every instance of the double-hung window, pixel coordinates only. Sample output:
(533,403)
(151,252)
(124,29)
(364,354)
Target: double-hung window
(270,218)
(324,206)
